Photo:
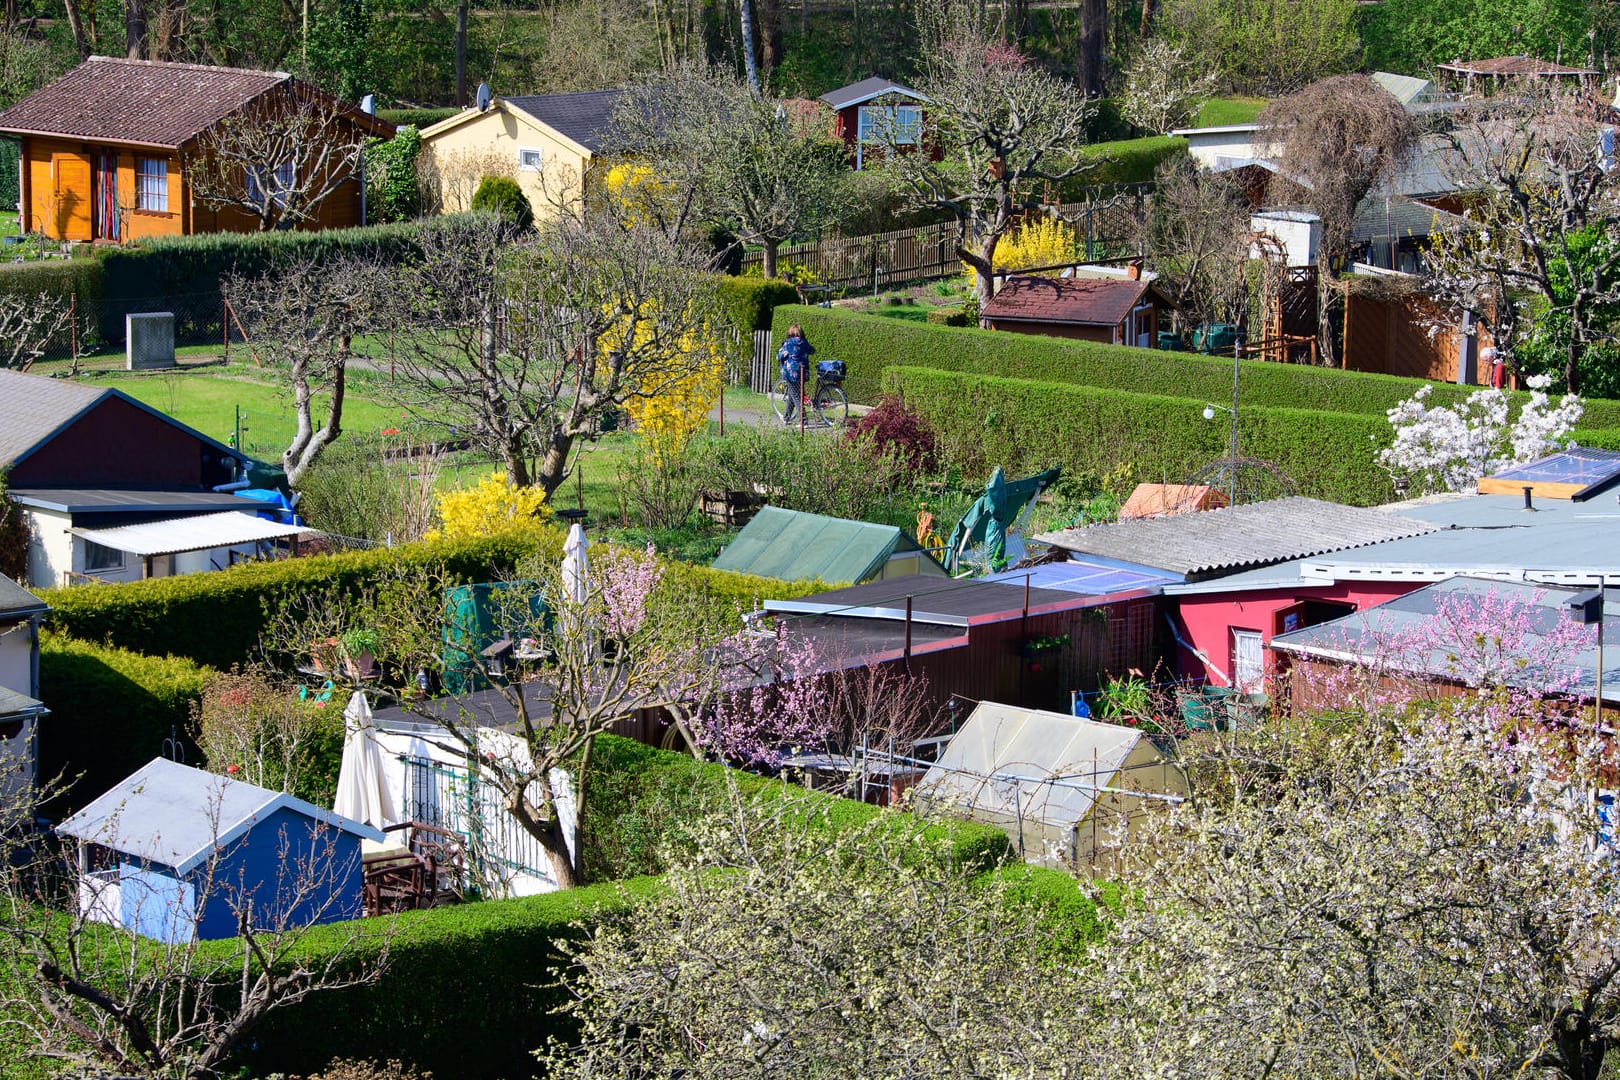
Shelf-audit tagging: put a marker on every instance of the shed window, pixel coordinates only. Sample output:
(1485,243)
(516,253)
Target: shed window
(99,558)
(152,185)
(907,125)
(528,159)
(897,124)
(278,181)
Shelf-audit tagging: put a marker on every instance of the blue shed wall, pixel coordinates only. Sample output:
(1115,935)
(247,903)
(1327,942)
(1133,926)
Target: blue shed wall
(263,867)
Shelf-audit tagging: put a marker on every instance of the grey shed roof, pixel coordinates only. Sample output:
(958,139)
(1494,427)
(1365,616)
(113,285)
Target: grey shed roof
(791,545)
(114,501)
(168,814)
(1379,633)
(1212,542)
(14,705)
(1382,215)
(16,601)
(866,90)
(584,117)
(1405,89)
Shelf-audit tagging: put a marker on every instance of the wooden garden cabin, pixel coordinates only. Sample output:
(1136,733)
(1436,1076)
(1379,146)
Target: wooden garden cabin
(104,149)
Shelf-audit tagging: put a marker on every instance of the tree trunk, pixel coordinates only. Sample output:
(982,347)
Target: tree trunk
(1572,365)
(746,8)
(768,261)
(553,467)
(1093,33)
(1150,8)
(770,34)
(308,443)
(76,24)
(134,29)
(461,54)
(983,263)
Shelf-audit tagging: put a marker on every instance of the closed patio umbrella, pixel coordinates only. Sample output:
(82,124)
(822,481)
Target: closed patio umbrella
(575,564)
(362,790)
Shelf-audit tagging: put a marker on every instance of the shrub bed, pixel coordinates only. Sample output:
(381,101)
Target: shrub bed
(216,618)
(1025,426)
(868,344)
(111,709)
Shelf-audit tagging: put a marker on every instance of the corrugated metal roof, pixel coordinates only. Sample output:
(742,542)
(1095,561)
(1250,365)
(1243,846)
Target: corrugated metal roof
(1404,88)
(172,815)
(866,90)
(111,500)
(200,533)
(791,545)
(33,408)
(1379,216)
(17,601)
(1372,633)
(1231,538)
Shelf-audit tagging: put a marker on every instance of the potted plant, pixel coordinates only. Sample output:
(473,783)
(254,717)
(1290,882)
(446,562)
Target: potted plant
(359,652)
(324,654)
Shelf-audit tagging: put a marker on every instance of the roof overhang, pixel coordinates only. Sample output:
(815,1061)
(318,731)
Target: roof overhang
(903,91)
(501,105)
(68,136)
(204,532)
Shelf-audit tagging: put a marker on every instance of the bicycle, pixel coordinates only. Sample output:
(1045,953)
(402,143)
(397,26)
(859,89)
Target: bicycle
(828,400)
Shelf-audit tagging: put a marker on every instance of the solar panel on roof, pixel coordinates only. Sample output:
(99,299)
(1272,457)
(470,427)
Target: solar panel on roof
(1083,578)
(1581,465)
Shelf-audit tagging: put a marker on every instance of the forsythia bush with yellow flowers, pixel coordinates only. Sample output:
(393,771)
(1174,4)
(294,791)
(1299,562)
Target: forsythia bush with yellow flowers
(491,506)
(1041,242)
(636,191)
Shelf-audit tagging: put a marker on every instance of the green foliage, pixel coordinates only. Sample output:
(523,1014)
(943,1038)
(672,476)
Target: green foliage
(183,273)
(65,281)
(1130,161)
(10,150)
(392,193)
(1583,261)
(1270,48)
(501,195)
(1412,36)
(111,709)
(868,344)
(1025,426)
(1222,112)
(643,797)
(949,316)
(417,118)
(216,618)
(749,302)
(336,50)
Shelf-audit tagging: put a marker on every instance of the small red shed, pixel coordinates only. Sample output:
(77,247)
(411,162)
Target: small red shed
(875,112)
(1121,310)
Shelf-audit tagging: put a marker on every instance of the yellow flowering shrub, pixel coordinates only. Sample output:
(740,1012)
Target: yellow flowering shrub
(636,192)
(1041,241)
(492,505)
(670,404)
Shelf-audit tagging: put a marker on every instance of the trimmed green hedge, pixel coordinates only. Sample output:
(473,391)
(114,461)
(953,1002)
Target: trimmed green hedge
(216,618)
(642,796)
(1025,426)
(419,118)
(10,151)
(111,709)
(750,301)
(1127,161)
(183,273)
(869,343)
(69,281)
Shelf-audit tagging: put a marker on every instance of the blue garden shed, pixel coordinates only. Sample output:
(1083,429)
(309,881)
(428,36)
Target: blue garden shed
(176,853)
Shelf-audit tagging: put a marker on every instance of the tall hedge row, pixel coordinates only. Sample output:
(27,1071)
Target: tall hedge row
(749,302)
(111,709)
(1024,426)
(868,344)
(216,618)
(70,282)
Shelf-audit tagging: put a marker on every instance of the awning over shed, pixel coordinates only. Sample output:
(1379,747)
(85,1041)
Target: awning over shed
(201,533)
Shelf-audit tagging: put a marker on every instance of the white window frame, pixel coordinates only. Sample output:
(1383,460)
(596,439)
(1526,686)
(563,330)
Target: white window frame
(111,567)
(539,159)
(153,199)
(908,121)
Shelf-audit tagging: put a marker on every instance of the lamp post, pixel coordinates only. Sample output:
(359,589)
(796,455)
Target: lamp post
(1209,414)
(1586,609)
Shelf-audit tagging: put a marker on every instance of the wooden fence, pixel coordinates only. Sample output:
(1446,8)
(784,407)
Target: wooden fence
(1105,228)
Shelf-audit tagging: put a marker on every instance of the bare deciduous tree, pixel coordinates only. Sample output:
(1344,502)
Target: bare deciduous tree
(1536,255)
(1004,130)
(739,161)
(279,160)
(86,993)
(307,318)
(28,327)
(1333,141)
(526,345)
(1197,238)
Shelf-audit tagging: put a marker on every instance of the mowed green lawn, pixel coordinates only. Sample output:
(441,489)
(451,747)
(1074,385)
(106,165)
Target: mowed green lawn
(207,399)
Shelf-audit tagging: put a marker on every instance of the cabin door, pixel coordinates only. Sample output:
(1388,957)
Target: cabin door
(106,216)
(73,196)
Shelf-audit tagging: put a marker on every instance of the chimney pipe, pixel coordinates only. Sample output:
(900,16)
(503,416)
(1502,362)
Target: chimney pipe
(1528,505)
(1133,269)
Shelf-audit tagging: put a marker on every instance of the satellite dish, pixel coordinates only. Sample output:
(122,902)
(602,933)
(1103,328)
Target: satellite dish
(368,104)
(483,96)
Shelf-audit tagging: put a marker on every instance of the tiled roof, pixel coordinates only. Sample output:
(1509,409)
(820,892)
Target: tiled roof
(1090,301)
(584,117)
(137,101)
(1508,66)
(32,408)
(1254,534)
(866,90)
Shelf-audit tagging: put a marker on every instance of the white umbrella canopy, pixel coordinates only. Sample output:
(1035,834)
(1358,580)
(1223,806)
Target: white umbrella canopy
(576,564)
(362,790)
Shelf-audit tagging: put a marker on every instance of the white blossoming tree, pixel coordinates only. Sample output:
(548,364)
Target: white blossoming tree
(1449,447)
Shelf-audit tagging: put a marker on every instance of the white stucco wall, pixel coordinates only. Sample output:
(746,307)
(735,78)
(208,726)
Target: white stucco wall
(1215,147)
(17,658)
